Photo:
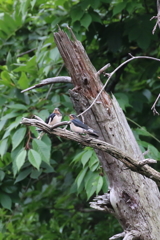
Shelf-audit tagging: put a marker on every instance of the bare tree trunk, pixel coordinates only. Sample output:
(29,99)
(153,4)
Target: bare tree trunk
(135,199)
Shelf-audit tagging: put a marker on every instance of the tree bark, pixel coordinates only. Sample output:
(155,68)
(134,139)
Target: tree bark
(135,199)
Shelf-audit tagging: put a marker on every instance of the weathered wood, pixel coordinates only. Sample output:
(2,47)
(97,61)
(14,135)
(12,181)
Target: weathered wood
(47,81)
(134,198)
(86,140)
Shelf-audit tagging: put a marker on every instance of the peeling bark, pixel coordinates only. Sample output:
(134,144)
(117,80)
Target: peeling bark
(135,199)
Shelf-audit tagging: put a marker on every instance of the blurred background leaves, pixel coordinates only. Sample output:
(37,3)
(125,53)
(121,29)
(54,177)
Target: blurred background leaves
(46,186)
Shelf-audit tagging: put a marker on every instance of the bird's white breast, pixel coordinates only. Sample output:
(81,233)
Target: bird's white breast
(56,119)
(76,129)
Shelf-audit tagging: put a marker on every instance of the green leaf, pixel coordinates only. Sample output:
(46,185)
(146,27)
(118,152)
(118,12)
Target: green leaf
(94,167)
(34,158)
(86,20)
(18,106)
(153,152)
(95,17)
(54,54)
(10,115)
(77,157)
(2,124)
(119,7)
(44,114)
(5,201)
(91,191)
(6,80)
(17,137)
(95,4)
(99,184)
(23,82)
(3,147)
(86,156)
(80,176)
(123,100)
(20,159)
(43,149)
(33,2)
(91,183)
(76,14)
(142,131)
(35,173)
(105,184)
(23,174)
(23,8)
(2,175)
(93,160)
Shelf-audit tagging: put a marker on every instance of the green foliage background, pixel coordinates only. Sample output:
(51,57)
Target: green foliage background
(46,186)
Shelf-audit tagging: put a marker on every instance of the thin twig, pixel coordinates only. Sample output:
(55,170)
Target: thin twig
(156,17)
(147,161)
(103,68)
(47,81)
(146,152)
(31,50)
(112,73)
(117,236)
(154,106)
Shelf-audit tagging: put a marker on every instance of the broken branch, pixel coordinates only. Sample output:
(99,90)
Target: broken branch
(154,106)
(61,79)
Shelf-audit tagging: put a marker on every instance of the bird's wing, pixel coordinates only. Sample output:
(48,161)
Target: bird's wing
(78,123)
(50,118)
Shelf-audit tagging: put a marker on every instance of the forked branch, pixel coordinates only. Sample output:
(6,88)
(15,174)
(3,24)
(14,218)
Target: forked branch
(156,17)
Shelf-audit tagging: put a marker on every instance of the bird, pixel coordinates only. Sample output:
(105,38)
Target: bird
(54,118)
(79,127)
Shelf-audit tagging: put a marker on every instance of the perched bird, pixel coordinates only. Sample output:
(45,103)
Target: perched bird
(79,127)
(54,118)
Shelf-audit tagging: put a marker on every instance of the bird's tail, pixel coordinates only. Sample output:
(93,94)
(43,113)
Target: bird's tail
(92,132)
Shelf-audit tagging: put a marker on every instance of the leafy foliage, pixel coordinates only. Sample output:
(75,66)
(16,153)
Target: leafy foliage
(45,185)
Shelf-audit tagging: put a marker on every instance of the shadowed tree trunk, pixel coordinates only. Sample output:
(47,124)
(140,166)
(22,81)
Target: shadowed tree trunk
(134,199)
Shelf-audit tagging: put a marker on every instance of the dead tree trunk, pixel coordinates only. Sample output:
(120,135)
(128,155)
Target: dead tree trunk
(135,199)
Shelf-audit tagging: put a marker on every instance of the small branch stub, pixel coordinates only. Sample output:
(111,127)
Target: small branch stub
(117,236)
(153,108)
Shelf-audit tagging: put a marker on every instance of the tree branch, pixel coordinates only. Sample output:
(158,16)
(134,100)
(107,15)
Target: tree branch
(102,203)
(86,140)
(128,235)
(31,50)
(156,17)
(61,79)
(132,235)
(117,236)
(153,108)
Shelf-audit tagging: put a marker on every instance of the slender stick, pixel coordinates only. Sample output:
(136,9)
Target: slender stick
(47,81)
(154,106)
